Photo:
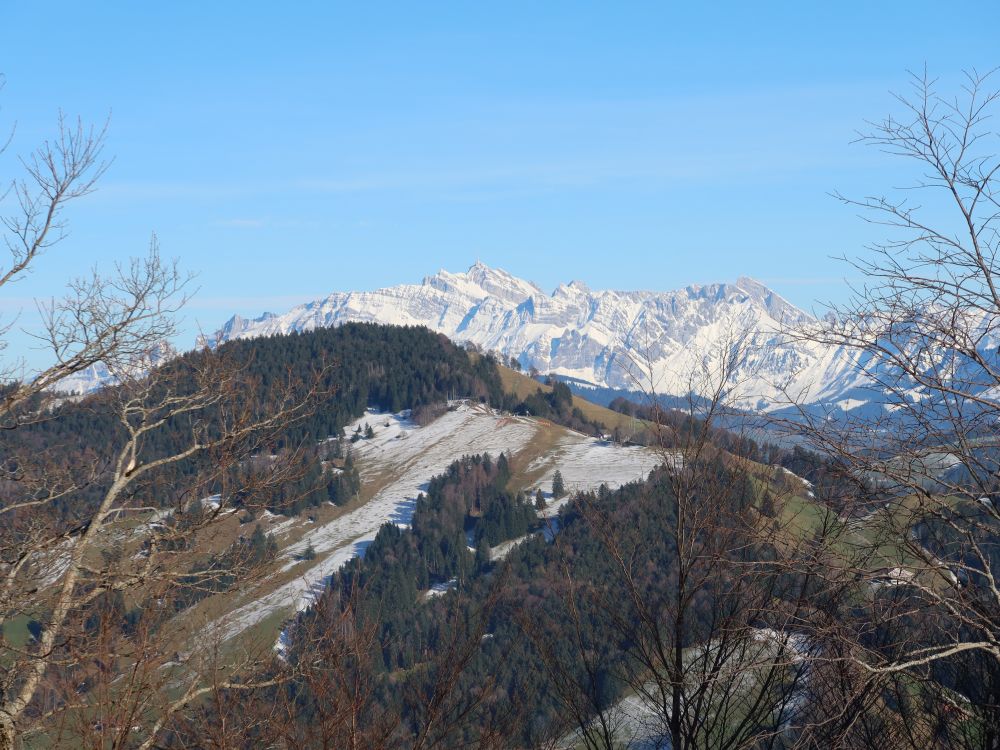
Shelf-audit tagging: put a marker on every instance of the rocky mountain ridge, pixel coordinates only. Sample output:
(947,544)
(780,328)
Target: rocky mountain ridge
(674,342)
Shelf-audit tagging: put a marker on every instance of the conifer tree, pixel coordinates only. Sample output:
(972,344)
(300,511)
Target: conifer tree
(503,470)
(558,486)
(257,544)
(482,555)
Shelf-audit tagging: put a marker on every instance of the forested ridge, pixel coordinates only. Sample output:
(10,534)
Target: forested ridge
(353,367)
(542,648)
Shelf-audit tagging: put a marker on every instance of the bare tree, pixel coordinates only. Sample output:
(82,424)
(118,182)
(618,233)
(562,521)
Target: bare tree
(924,467)
(888,590)
(325,696)
(79,540)
(709,629)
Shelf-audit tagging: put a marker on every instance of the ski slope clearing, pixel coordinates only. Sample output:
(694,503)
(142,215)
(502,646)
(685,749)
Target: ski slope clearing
(411,456)
(400,460)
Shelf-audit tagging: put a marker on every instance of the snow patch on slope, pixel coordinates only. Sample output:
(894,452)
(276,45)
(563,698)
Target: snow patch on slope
(410,456)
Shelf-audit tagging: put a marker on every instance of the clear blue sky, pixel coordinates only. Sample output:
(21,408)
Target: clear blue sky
(283,151)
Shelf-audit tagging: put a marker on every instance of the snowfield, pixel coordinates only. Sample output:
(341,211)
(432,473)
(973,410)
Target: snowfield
(411,455)
(586,463)
(405,457)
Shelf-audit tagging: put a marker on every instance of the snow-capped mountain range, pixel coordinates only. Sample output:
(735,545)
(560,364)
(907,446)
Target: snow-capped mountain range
(676,342)
(99,374)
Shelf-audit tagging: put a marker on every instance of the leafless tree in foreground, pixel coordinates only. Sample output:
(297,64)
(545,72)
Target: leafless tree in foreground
(722,615)
(76,546)
(332,693)
(893,576)
(925,470)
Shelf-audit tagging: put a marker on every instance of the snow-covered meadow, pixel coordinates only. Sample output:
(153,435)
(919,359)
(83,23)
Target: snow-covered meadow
(405,456)
(586,463)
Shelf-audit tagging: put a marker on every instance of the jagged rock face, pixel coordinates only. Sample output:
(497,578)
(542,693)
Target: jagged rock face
(673,341)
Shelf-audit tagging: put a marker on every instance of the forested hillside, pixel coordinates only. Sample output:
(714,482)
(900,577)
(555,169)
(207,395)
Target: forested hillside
(696,607)
(350,368)
(197,533)
(544,645)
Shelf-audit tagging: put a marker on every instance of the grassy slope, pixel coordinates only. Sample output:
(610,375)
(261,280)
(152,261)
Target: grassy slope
(522,386)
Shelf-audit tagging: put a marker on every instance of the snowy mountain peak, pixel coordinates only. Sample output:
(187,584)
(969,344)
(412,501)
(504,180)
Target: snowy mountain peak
(572,289)
(232,329)
(482,281)
(778,307)
(601,337)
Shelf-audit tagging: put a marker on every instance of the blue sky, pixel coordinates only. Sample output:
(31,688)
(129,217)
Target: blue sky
(285,151)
